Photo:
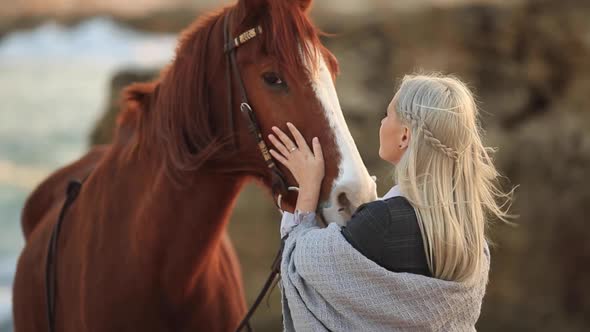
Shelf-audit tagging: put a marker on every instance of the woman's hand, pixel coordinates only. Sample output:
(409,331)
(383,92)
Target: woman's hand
(307,166)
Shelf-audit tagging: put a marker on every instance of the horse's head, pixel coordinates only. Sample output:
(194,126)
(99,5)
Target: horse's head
(287,75)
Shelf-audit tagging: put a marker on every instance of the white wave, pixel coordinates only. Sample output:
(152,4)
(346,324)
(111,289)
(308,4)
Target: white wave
(25,177)
(5,305)
(99,39)
(6,272)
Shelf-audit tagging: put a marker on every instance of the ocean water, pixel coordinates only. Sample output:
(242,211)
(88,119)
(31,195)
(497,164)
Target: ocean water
(54,83)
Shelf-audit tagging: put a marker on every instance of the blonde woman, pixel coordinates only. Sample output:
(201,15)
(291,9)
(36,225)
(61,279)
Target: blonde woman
(415,260)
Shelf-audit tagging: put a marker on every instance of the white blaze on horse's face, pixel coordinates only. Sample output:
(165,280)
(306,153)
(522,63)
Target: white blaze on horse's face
(353,185)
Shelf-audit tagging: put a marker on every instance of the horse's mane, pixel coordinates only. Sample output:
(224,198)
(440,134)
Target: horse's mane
(172,114)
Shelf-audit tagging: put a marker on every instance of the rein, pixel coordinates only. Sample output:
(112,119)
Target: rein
(279,185)
(72,192)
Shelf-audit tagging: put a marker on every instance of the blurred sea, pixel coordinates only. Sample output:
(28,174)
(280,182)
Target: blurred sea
(54,83)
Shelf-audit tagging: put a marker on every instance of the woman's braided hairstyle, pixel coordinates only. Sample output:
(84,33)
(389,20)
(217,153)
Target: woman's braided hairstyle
(417,123)
(446,173)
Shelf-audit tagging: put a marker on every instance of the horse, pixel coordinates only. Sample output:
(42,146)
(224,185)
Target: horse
(144,246)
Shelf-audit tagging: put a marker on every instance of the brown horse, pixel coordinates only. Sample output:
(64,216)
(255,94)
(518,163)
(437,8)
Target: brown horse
(144,247)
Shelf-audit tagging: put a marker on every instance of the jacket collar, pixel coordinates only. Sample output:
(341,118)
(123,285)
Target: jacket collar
(393,192)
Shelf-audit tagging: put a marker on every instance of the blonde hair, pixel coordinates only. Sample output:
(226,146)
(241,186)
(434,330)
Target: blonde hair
(447,173)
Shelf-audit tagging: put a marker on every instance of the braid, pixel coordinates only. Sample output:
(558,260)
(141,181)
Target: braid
(414,120)
(435,142)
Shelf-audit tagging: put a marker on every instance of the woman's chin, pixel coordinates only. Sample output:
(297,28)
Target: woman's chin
(383,156)
(386,158)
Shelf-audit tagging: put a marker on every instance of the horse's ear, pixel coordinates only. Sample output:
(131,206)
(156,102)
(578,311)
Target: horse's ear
(304,4)
(253,5)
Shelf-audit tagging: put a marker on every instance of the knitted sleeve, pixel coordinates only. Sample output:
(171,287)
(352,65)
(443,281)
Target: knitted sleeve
(290,220)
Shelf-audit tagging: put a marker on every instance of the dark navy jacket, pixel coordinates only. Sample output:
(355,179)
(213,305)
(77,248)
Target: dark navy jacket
(387,232)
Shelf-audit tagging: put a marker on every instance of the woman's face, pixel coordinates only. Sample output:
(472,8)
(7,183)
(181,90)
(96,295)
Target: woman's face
(394,136)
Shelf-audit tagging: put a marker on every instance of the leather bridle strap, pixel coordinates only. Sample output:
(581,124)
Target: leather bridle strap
(72,192)
(228,80)
(274,273)
(279,185)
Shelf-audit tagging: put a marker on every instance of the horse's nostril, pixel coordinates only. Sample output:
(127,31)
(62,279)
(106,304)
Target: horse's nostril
(343,201)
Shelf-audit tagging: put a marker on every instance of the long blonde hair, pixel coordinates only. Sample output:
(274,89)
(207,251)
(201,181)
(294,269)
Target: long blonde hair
(447,173)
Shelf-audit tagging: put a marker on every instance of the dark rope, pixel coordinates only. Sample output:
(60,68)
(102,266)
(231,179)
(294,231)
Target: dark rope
(72,192)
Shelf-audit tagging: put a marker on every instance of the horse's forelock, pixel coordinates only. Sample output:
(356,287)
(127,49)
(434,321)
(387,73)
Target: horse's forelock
(291,37)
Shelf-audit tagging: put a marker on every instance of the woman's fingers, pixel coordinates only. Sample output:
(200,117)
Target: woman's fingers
(301,143)
(278,144)
(284,138)
(279,157)
(317,149)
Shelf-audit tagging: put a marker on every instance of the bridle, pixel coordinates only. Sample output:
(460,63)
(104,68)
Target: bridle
(279,186)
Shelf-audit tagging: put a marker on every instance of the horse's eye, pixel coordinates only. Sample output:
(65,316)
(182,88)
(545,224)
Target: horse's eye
(274,81)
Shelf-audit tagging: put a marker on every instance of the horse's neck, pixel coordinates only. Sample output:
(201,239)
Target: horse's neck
(173,235)
(192,216)
(190,232)
(178,223)
(195,212)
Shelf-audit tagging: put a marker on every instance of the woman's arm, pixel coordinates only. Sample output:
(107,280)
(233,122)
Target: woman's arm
(307,200)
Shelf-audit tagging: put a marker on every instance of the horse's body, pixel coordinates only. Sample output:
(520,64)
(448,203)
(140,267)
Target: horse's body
(155,288)
(138,250)
(107,263)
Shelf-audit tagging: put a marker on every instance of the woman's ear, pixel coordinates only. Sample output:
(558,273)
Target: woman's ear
(405,139)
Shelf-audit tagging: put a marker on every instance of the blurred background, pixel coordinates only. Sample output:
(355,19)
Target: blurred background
(63,63)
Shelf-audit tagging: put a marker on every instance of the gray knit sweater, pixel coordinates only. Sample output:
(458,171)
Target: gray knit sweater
(327,285)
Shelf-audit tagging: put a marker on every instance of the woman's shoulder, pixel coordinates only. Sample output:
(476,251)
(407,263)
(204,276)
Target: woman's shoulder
(387,232)
(399,204)
(371,207)
(392,208)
